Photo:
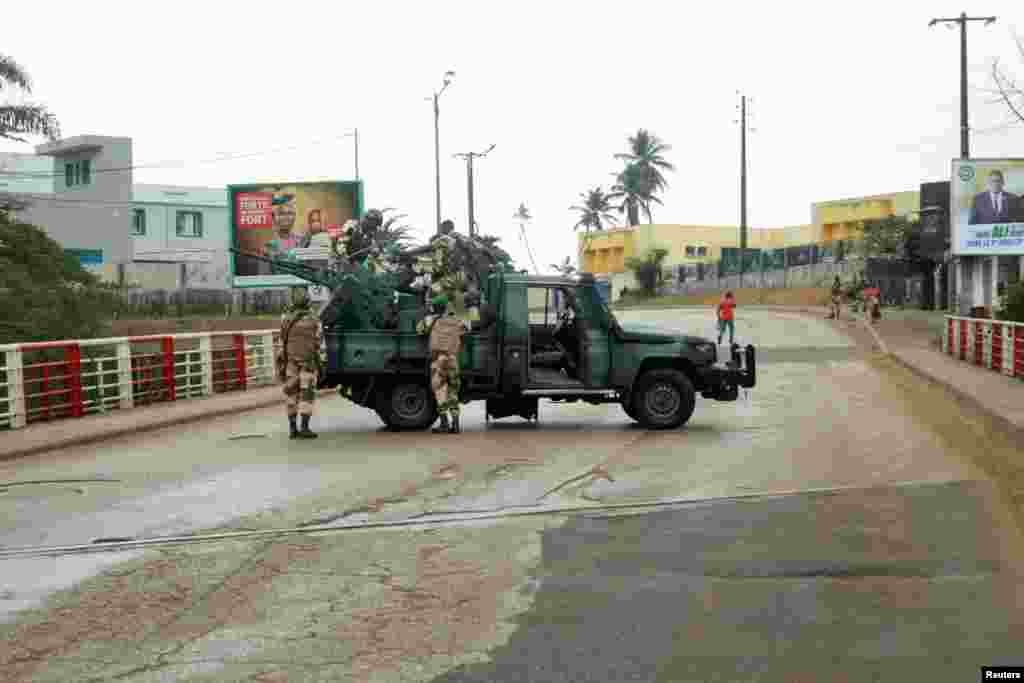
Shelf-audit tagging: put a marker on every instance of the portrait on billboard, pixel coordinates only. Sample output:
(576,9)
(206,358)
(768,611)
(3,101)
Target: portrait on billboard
(987,207)
(285,221)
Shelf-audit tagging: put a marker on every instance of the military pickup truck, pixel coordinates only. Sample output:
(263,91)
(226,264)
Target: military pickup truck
(570,349)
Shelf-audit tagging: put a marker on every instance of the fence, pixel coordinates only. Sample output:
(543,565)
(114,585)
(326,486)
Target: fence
(62,379)
(994,344)
(193,301)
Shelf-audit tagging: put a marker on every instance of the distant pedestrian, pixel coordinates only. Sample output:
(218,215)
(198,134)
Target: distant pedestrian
(726,315)
(837,299)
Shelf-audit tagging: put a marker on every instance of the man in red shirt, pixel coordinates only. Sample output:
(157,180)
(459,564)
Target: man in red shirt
(725,317)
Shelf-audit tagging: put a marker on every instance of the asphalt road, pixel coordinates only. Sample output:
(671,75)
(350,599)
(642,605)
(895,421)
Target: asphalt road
(770,585)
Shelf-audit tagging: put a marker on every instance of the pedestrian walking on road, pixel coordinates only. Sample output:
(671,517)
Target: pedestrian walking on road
(837,299)
(726,315)
(298,362)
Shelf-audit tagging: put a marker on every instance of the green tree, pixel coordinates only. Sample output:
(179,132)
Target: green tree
(45,294)
(565,268)
(1012,306)
(635,194)
(394,229)
(17,120)
(646,153)
(647,269)
(594,210)
(892,236)
(523,216)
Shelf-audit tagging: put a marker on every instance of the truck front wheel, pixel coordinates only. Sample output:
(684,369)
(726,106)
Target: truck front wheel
(407,405)
(663,399)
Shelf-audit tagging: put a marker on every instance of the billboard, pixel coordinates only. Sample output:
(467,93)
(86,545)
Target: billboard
(987,207)
(286,220)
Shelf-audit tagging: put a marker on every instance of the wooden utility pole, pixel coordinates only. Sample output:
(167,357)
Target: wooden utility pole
(469,156)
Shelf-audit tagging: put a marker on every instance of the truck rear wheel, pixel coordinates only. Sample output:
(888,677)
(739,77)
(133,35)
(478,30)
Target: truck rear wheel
(407,405)
(663,399)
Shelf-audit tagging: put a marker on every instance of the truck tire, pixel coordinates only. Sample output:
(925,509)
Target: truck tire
(627,407)
(663,399)
(407,405)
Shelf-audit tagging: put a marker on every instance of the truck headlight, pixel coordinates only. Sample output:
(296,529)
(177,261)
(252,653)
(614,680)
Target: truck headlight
(707,348)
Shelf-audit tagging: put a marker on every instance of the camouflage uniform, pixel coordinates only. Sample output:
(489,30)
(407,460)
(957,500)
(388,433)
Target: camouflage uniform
(445,332)
(443,281)
(302,361)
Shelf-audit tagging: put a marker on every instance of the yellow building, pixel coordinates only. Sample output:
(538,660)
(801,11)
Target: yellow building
(605,252)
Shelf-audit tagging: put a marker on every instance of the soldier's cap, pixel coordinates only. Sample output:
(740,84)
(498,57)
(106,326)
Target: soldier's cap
(440,300)
(281,199)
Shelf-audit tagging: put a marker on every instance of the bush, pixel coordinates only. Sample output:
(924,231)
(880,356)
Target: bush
(1012,308)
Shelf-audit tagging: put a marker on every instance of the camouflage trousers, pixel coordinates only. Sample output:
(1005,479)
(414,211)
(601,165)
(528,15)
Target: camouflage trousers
(445,284)
(446,382)
(299,388)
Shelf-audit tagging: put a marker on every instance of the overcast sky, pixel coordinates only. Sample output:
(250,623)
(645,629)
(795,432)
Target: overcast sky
(849,98)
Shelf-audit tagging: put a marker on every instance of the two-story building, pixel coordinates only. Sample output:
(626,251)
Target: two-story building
(81,191)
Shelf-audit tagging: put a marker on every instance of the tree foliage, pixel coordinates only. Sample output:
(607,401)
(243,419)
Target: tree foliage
(45,294)
(892,237)
(1012,307)
(594,210)
(565,268)
(26,118)
(647,269)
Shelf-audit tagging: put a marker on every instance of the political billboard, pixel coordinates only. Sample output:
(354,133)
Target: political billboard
(290,220)
(987,207)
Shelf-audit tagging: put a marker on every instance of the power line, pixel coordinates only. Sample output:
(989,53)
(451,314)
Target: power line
(227,156)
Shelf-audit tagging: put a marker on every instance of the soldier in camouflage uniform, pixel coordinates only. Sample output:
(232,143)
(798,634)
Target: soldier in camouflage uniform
(300,363)
(443,278)
(446,333)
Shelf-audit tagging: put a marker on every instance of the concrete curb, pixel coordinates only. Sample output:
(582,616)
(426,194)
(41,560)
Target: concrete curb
(1014,430)
(874,333)
(116,432)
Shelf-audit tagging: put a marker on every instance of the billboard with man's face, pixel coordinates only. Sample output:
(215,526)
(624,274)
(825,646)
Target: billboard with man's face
(987,207)
(286,220)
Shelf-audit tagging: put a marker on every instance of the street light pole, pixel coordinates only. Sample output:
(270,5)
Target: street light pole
(448,75)
(965,150)
(468,156)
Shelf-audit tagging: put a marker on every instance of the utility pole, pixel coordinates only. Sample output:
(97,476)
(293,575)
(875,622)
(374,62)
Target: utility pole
(965,150)
(743,185)
(469,156)
(448,75)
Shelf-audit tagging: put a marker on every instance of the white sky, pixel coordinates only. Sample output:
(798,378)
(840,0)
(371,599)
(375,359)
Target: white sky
(849,98)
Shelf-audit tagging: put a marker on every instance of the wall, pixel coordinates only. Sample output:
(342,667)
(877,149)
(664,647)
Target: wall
(26,173)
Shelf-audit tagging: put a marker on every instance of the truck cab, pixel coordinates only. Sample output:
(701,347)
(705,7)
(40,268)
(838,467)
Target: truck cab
(537,337)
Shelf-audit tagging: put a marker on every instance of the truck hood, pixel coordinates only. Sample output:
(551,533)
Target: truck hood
(646,334)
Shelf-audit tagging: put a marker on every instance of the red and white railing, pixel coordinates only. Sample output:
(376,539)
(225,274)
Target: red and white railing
(49,380)
(994,344)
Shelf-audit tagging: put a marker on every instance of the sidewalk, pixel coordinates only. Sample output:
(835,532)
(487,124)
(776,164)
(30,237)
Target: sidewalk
(64,433)
(912,338)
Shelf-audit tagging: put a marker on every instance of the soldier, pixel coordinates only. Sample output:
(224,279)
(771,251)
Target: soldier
(299,362)
(443,279)
(445,332)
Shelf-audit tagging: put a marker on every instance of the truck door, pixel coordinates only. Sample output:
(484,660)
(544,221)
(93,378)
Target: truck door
(596,341)
(514,336)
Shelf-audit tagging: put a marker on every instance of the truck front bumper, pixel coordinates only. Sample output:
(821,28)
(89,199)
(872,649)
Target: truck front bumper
(722,381)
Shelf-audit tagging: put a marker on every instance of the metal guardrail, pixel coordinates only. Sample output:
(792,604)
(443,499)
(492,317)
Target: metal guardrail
(43,381)
(994,344)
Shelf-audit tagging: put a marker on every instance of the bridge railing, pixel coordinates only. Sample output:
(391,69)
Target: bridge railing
(994,344)
(43,381)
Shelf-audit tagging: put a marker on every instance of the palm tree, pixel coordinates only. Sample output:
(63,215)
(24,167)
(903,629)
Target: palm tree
(595,210)
(565,269)
(523,215)
(646,152)
(23,119)
(635,194)
(394,230)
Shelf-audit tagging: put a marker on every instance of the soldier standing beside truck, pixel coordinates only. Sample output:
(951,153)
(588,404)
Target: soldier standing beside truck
(446,333)
(298,363)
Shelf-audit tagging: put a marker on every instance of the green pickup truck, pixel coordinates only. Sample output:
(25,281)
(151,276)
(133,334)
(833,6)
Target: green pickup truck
(567,346)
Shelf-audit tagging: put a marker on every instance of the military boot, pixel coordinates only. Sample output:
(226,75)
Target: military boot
(293,428)
(305,432)
(442,428)
(455,425)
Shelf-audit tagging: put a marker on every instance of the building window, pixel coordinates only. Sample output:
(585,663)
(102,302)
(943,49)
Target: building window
(691,251)
(78,173)
(189,224)
(702,251)
(138,222)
